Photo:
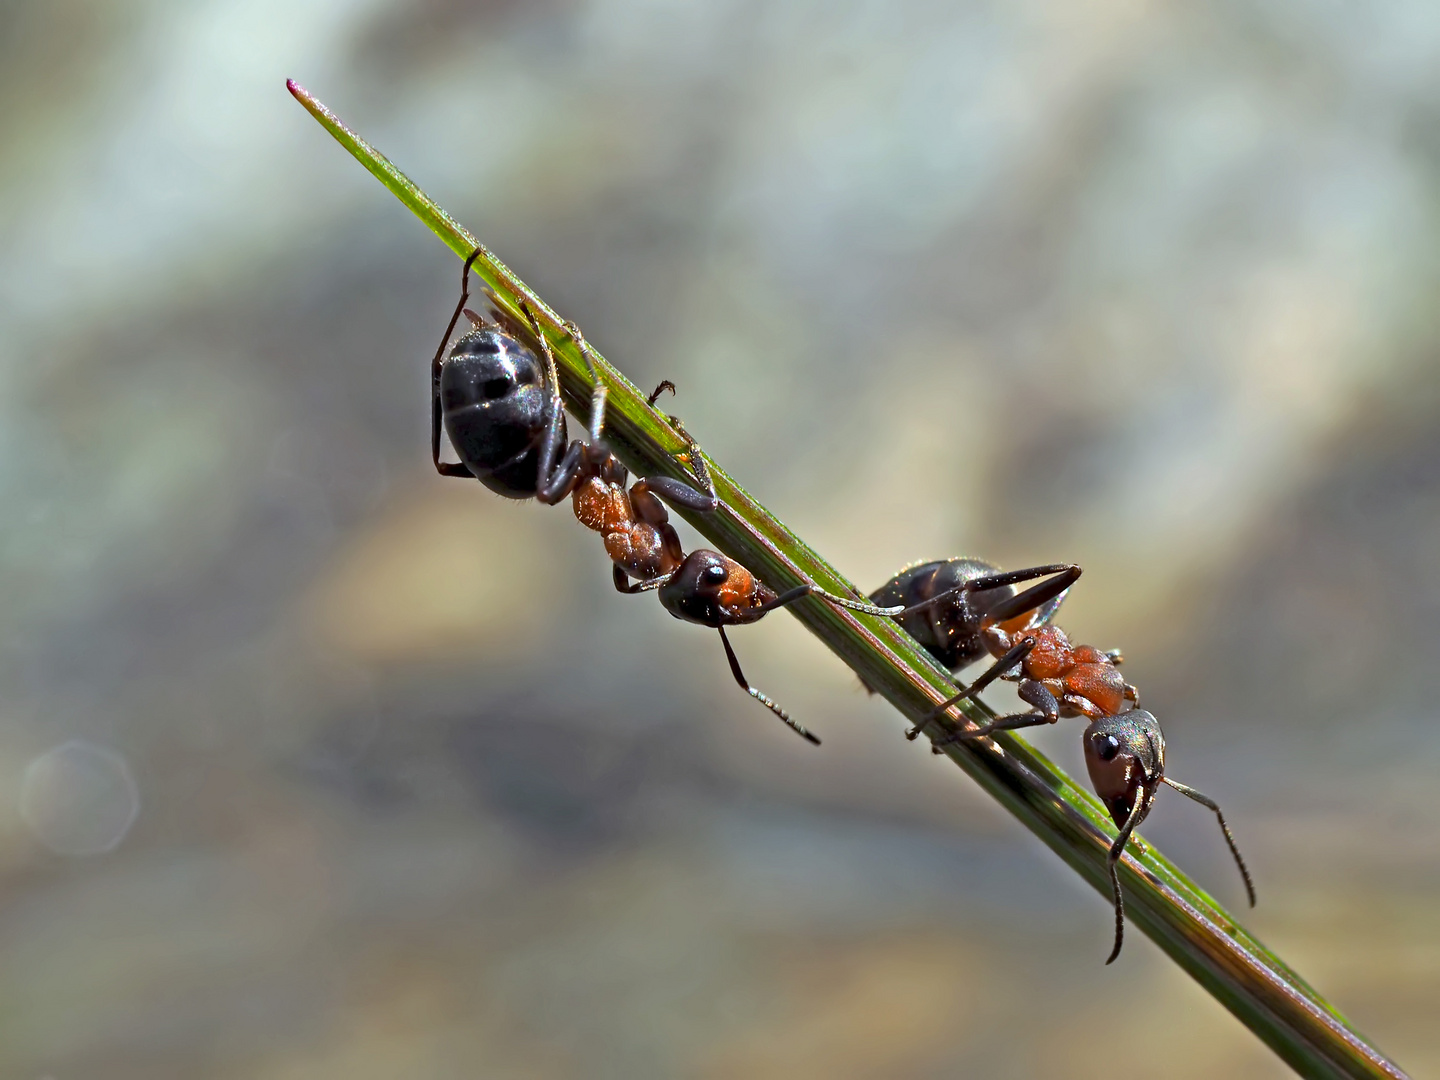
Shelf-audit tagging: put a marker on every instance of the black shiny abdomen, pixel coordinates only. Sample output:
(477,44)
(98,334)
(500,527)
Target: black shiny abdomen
(496,407)
(949,630)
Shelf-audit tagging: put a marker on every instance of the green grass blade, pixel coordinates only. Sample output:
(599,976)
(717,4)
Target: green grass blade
(1179,916)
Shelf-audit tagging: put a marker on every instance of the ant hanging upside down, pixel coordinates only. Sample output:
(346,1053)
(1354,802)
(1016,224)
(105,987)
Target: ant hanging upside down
(960,609)
(499,403)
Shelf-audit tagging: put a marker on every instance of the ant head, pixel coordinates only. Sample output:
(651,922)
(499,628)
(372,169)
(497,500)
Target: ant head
(1125,756)
(496,406)
(709,589)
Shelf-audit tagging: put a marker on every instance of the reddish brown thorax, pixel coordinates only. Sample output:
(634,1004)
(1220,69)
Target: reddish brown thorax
(636,545)
(1052,655)
(1070,671)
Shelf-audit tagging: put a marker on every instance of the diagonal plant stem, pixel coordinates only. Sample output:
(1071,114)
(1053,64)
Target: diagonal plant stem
(1179,916)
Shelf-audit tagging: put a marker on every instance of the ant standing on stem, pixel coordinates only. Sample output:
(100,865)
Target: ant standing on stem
(500,405)
(959,609)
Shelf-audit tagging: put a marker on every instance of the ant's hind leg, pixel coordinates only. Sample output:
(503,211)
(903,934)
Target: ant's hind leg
(769,703)
(1033,598)
(445,468)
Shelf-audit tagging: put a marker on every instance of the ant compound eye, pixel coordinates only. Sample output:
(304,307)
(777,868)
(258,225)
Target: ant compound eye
(715,574)
(496,388)
(1107,747)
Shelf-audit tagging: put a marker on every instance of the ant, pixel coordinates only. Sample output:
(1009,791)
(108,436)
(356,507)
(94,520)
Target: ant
(1124,746)
(500,405)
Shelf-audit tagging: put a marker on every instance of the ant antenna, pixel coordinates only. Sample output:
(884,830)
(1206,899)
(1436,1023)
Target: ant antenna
(811,589)
(1141,808)
(768,702)
(1205,800)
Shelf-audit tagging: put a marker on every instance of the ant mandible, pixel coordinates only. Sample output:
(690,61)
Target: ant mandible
(972,608)
(502,410)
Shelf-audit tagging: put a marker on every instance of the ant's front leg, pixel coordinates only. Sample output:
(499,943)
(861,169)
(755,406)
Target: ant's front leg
(1032,692)
(676,492)
(622,582)
(1007,663)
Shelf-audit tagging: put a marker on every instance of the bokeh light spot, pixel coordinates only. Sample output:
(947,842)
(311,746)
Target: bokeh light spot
(79,798)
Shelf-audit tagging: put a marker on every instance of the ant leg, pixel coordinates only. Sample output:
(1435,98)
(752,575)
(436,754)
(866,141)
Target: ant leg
(1035,597)
(1112,858)
(1205,800)
(996,670)
(547,489)
(1032,692)
(622,582)
(694,458)
(561,481)
(651,511)
(680,494)
(447,468)
(675,492)
(757,695)
(1067,575)
(598,391)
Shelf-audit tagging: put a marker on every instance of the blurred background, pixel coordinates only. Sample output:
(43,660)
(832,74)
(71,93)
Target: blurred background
(313,764)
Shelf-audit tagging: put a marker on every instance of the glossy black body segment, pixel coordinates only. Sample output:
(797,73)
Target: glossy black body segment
(947,600)
(497,407)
